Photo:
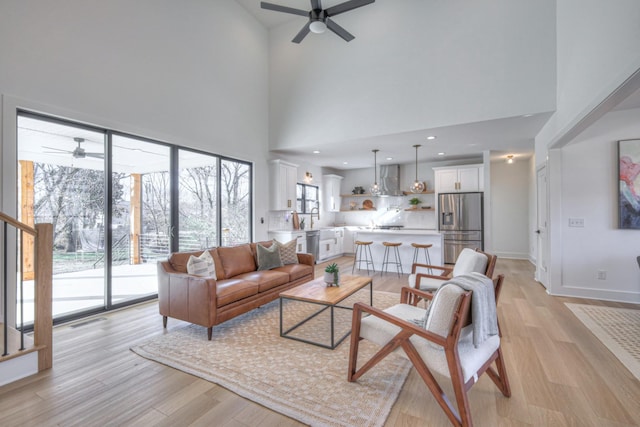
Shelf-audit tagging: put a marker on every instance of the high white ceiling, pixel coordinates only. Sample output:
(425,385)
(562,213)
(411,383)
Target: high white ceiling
(513,135)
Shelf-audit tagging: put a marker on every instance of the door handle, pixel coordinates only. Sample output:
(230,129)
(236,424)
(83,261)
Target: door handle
(538,231)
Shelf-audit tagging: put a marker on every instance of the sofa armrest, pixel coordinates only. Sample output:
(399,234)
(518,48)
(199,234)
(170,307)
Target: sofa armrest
(185,296)
(306,259)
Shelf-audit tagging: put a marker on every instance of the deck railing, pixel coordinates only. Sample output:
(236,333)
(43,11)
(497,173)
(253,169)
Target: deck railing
(42,235)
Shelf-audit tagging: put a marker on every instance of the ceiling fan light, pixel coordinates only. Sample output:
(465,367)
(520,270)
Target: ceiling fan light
(317,27)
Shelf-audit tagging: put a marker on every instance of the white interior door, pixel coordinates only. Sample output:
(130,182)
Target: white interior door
(542,270)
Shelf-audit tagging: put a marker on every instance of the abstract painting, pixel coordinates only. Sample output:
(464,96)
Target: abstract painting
(629,173)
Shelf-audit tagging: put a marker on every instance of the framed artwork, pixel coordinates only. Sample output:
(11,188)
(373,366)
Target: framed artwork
(629,176)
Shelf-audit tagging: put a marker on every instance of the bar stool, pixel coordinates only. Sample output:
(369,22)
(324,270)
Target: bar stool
(363,254)
(396,254)
(416,252)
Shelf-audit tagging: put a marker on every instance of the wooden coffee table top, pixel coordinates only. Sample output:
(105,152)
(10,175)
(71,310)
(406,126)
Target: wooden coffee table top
(318,291)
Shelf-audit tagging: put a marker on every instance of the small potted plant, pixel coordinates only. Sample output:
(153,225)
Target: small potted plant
(415,202)
(332,275)
(302,224)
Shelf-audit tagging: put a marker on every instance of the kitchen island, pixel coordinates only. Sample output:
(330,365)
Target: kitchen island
(406,236)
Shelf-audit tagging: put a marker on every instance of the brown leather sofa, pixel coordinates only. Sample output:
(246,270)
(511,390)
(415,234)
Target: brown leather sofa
(238,289)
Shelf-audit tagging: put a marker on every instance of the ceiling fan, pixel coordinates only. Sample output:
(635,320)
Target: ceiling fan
(78,152)
(319,18)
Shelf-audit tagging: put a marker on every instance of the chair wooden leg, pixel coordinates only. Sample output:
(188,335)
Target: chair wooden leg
(164,322)
(355,342)
(500,378)
(432,384)
(209,332)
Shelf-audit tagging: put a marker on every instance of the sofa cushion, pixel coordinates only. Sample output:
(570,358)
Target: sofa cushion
(267,279)
(202,265)
(236,260)
(231,290)
(268,258)
(179,260)
(288,252)
(296,271)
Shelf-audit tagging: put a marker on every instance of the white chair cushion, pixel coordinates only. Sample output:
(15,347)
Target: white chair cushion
(470,261)
(426,283)
(380,331)
(471,358)
(442,309)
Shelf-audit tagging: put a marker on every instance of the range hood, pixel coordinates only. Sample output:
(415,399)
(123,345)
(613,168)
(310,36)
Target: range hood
(390,180)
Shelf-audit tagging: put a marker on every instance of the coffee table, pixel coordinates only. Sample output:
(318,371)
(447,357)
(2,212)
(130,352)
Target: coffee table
(317,292)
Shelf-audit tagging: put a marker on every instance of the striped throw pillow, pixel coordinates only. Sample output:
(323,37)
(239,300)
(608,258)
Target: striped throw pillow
(202,265)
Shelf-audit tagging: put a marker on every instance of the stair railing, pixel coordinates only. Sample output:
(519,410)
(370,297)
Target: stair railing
(43,319)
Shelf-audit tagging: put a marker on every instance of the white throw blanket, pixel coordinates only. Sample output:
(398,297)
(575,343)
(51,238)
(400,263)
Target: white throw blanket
(483,305)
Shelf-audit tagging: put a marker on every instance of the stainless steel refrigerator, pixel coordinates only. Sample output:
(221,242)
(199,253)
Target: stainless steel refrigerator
(460,222)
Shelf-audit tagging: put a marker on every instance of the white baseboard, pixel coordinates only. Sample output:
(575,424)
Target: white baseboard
(512,255)
(598,294)
(19,367)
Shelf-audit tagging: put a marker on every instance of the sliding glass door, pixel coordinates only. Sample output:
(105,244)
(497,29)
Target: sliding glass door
(119,204)
(140,216)
(62,181)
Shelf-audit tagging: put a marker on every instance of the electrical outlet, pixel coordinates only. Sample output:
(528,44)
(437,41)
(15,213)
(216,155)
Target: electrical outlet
(576,222)
(602,274)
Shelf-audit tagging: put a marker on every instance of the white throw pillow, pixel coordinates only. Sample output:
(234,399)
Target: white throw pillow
(202,265)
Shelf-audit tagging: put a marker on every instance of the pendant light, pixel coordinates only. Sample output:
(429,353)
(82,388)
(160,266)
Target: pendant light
(375,188)
(417,186)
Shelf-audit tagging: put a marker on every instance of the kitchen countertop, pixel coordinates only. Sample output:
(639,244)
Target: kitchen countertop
(411,231)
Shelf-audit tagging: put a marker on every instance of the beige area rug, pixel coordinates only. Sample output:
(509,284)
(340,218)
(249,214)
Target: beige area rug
(303,381)
(617,328)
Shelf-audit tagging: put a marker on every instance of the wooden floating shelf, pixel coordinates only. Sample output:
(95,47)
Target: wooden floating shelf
(409,193)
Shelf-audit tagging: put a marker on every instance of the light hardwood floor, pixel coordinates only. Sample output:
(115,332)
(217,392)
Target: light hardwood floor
(560,374)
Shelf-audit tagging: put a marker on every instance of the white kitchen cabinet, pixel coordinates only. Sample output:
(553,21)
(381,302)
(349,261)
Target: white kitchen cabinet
(287,236)
(331,190)
(459,179)
(327,249)
(283,178)
(331,243)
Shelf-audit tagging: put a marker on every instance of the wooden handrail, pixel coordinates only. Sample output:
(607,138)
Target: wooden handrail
(17,224)
(43,319)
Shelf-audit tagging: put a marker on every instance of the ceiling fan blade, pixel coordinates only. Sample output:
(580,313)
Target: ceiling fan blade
(346,35)
(302,34)
(59,150)
(285,9)
(96,155)
(315,4)
(347,6)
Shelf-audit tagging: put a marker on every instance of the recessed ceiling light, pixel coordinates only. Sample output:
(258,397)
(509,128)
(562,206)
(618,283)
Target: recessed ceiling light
(431,137)
(345,163)
(389,158)
(527,115)
(316,151)
(440,154)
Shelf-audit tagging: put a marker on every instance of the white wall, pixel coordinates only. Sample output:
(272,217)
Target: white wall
(590,191)
(510,208)
(194,73)
(414,64)
(597,51)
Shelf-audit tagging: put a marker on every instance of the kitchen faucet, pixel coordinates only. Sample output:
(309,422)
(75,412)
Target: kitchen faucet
(317,213)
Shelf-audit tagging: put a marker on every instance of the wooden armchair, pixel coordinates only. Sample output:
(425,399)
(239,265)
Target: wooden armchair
(468,261)
(444,345)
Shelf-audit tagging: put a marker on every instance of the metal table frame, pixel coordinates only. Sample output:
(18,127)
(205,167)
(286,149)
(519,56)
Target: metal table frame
(331,307)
